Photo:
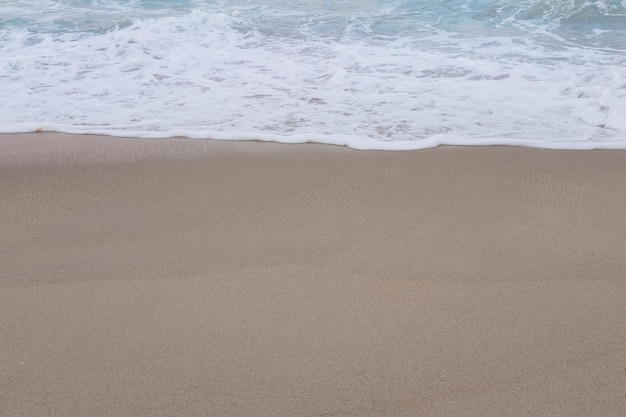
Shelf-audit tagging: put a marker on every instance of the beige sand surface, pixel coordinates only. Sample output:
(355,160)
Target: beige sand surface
(200,278)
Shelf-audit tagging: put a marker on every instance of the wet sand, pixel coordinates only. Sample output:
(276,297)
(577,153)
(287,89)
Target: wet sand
(202,278)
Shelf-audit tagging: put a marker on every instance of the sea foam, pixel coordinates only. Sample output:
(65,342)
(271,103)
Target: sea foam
(366,74)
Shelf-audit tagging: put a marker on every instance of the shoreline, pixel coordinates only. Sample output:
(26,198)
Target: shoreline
(196,277)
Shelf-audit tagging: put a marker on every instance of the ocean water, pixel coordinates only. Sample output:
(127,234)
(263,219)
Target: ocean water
(386,74)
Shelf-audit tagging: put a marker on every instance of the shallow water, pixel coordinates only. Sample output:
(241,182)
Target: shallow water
(392,74)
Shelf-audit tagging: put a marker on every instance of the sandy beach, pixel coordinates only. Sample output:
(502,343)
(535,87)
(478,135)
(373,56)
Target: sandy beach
(202,278)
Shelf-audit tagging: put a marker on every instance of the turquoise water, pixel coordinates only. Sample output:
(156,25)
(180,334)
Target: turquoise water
(392,74)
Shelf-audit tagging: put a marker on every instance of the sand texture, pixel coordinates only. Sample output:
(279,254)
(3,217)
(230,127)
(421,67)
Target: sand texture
(201,278)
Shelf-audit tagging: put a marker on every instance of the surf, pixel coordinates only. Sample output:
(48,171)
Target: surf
(390,74)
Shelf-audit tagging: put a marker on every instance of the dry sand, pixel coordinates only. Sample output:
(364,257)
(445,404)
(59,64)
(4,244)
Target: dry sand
(201,278)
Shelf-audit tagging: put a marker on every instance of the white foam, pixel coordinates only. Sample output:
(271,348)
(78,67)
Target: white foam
(214,75)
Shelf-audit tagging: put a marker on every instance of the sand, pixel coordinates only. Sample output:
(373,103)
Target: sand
(201,278)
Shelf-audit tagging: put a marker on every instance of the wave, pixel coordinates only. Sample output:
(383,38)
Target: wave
(366,74)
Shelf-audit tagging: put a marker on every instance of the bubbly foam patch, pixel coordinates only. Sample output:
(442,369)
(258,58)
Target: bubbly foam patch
(358,74)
